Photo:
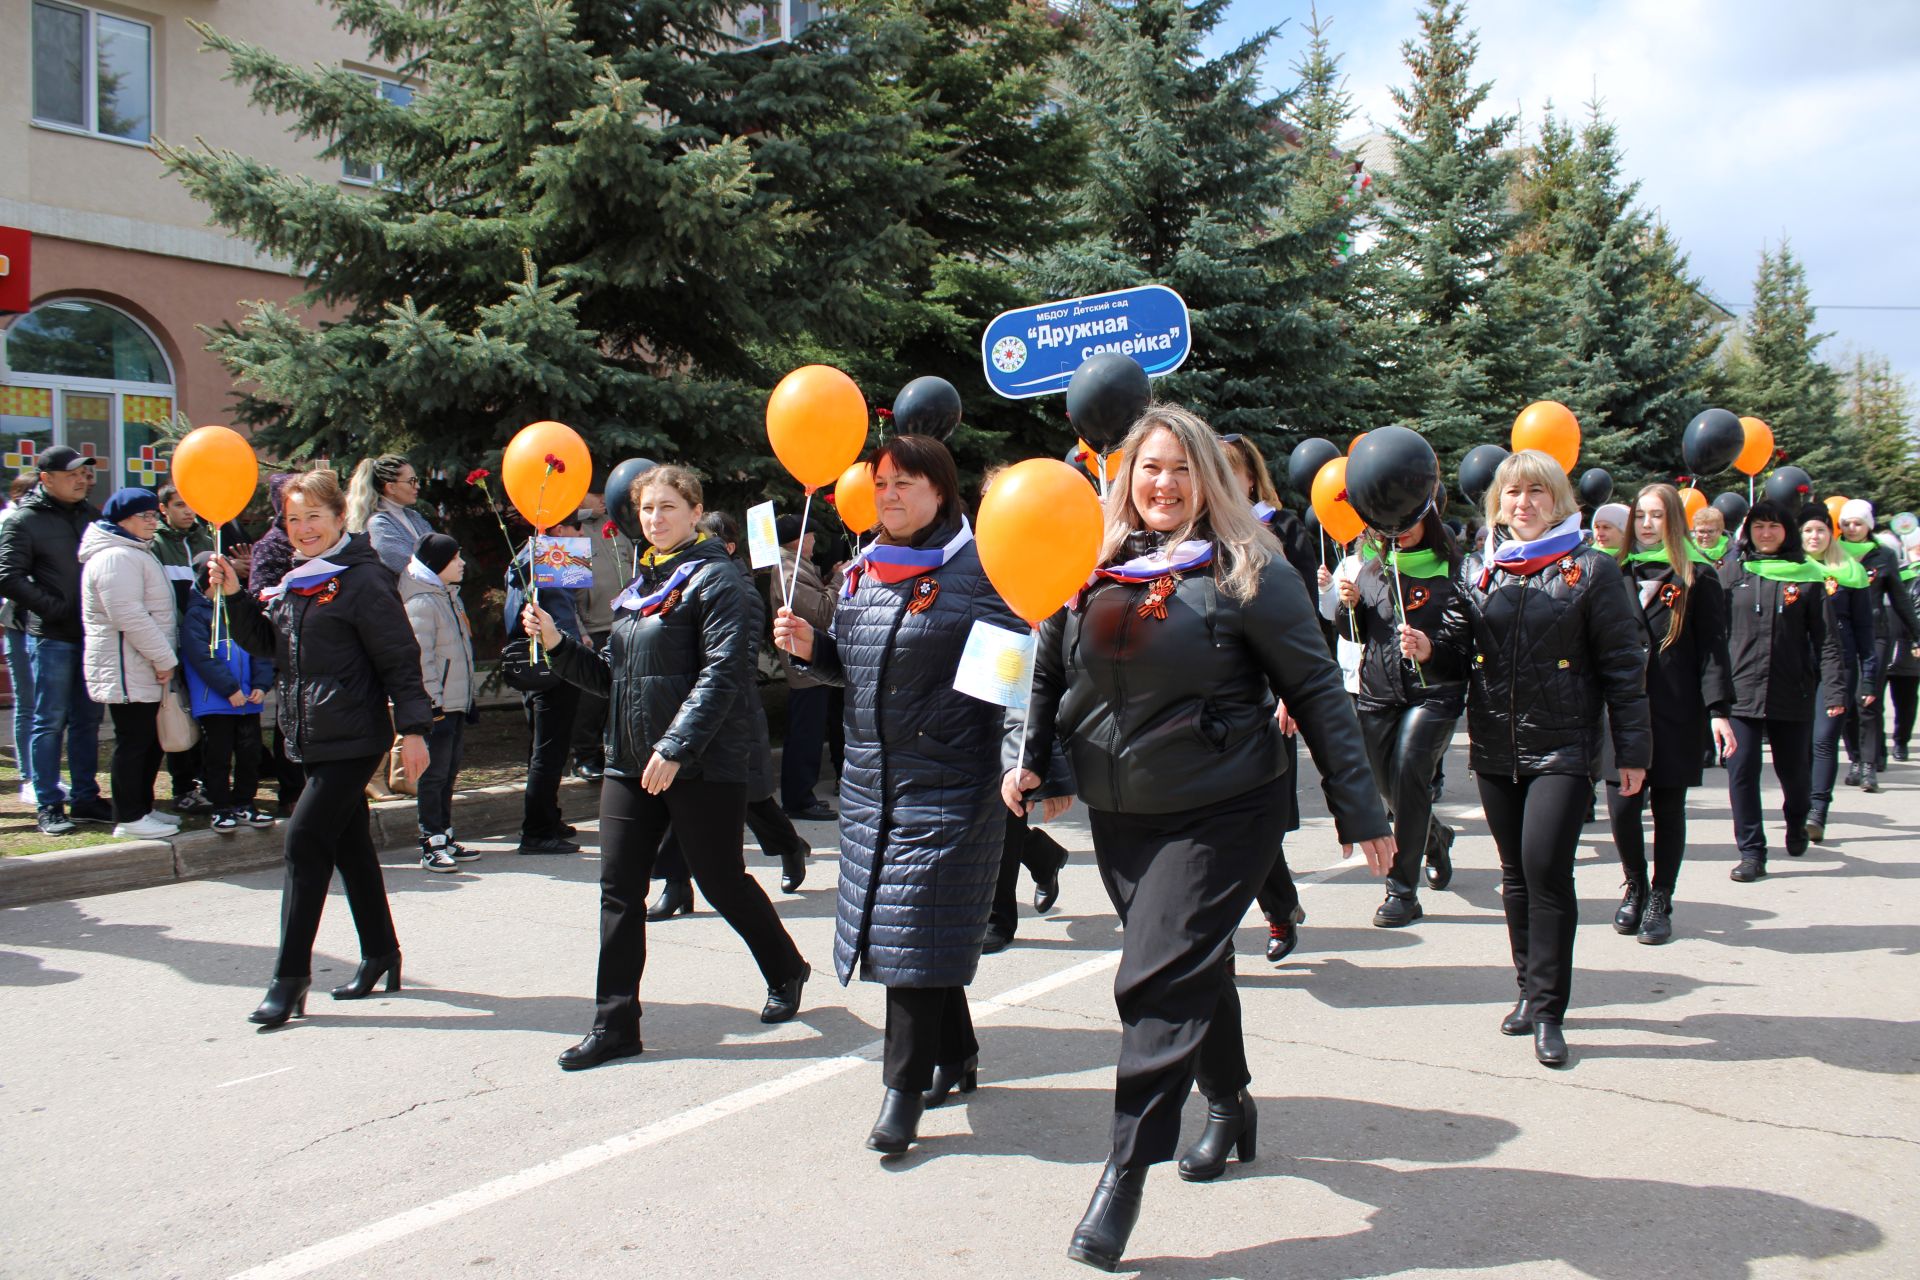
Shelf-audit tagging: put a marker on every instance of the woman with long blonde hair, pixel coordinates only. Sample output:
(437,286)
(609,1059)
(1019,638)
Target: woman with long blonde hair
(1160,680)
(1683,610)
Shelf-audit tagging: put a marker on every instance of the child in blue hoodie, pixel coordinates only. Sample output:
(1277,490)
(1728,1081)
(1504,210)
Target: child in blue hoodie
(225,687)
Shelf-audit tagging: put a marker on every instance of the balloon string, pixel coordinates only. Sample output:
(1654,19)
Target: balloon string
(219,605)
(799,545)
(533,592)
(1400,609)
(1026,714)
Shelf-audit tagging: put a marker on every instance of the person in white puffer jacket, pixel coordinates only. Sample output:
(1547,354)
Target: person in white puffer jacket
(127,616)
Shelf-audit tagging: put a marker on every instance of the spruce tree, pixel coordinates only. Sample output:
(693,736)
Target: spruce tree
(1782,380)
(1879,410)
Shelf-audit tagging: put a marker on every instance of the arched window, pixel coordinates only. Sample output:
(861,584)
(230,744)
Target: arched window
(78,372)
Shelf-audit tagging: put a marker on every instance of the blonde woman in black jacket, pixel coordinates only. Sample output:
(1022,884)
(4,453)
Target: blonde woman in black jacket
(1161,681)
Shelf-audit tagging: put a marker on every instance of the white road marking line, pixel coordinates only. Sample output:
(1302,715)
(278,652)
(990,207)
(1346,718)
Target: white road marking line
(244,1079)
(372,1236)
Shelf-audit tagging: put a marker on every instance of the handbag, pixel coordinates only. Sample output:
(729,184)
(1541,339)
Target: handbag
(397,780)
(177,729)
(520,674)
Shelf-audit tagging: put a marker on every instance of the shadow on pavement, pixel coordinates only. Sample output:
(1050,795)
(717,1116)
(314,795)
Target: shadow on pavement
(1857,1044)
(1341,984)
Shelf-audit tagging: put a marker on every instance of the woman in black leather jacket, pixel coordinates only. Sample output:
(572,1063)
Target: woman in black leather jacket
(1161,681)
(677,673)
(342,648)
(1849,617)
(1553,641)
(1407,713)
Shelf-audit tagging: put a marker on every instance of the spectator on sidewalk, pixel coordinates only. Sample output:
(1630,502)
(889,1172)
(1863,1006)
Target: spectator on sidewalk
(381,502)
(13,633)
(181,537)
(129,622)
(226,688)
(40,572)
(808,698)
(430,590)
(550,713)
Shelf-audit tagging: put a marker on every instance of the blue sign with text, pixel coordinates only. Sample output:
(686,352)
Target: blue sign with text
(1033,351)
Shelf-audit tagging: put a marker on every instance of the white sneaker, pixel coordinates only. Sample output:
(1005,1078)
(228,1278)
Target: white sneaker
(161,815)
(147,828)
(26,794)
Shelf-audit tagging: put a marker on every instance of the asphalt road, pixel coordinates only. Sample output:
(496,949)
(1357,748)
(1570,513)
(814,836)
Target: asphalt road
(1742,1102)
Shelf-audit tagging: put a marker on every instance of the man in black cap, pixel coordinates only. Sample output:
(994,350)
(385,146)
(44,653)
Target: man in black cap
(40,572)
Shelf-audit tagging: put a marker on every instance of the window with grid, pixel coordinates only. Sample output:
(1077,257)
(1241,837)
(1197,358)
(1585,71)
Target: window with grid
(373,173)
(92,72)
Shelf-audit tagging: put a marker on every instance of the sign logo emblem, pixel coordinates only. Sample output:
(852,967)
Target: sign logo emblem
(1009,354)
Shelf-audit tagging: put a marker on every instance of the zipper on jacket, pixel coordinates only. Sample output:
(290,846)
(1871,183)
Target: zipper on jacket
(1120,697)
(884,827)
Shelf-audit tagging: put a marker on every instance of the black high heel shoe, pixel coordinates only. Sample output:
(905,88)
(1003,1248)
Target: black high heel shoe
(965,1077)
(899,1124)
(1101,1238)
(286,998)
(1231,1123)
(368,976)
(676,898)
(793,868)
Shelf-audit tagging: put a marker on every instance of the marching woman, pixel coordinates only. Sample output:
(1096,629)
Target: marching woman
(1903,682)
(1849,619)
(921,833)
(677,674)
(1553,643)
(1407,713)
(1783,657)
(1683,610)
(342,650)
(1161,684)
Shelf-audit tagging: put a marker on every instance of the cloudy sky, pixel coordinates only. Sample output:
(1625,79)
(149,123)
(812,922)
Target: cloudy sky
(1744,121)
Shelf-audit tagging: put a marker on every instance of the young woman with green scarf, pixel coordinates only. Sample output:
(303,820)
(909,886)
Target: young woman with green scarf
(1783,656)
(1850,620)
(1408,710)
(1683,608)
(1894,622)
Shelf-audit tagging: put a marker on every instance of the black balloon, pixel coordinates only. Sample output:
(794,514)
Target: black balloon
(1477,468)
(1596,486)
(1790,487)
(1106,397)
(619,493)
(1304,463)
(1733,506)
(927,407)
(1712,441)
(1391,478)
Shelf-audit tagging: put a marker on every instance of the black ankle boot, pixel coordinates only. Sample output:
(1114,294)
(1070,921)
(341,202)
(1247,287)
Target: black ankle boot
(1633,906)
(783,1001)
(1231,1123)
(899,1124)
(368,976)
(286,998)
(676,898)
(1101,1238)
(965,1077)
(793,869)
(1398,911)
(1440,857)
(1658,927)
(1549,1046)
(1517,1023)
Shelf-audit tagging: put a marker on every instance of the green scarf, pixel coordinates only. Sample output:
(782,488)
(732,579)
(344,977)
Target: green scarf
(1857,550)
(1909,572)
(1420,562)
(1849,573)
(1719,551)
(1659,555)
(1787,570)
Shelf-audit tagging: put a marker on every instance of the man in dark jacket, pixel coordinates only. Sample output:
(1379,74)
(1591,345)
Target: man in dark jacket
(40,573)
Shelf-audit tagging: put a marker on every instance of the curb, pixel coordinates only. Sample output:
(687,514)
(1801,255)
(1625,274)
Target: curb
(141,864)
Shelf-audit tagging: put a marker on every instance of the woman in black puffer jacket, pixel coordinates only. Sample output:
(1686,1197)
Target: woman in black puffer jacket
(1554,640)
(1161,682)
(342,649)
(921,834)
(677,674)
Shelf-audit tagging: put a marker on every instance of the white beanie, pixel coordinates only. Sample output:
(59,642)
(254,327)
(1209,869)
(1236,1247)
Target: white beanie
(1615,514)
(1857,509)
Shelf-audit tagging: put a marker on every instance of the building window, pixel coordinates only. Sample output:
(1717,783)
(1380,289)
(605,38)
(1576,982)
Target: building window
(80,373)
(92,72)
(774,21)
(375,174)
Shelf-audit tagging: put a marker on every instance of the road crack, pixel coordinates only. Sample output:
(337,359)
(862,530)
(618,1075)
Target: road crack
(373,1120)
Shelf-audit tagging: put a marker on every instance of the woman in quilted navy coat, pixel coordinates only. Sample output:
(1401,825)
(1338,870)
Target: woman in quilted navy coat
(921,831)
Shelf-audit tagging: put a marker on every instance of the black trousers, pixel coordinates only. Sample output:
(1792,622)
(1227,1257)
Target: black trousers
(433,789)
(1791,742)
(231,759)
(289,778)
(136,758)
(805,742)
(1405,746)
(926,1027)
(708,817)
(1669,833)
(1181,883)
(1904,693)
(329,831)
(590,719)
(1536,821)
(1026,846)
(1278,896)
(1873,719)
(1828,730)
(552,712)
(184,768)
(771,828)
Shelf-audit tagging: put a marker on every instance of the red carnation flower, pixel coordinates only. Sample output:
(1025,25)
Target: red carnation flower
(554,464)
(829,498)
(607,531)
(478,475)
(885,414)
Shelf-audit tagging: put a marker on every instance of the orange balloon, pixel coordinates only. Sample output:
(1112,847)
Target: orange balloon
(215,471)
(1758,450)
(1550,427)
(1090,459)
(1692,501)
(1039,536)
(1355,443)
(853,498)
(817,424)
(546,493)
(1337,516)
(1833,507)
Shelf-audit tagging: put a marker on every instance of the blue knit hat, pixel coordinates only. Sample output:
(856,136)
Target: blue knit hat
(129,502)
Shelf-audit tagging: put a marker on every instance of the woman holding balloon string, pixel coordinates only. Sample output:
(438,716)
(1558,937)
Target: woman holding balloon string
(921,833)
(1161,684)
(1552,641)
(1849,618)
(676,673)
